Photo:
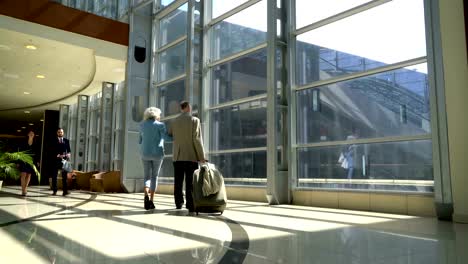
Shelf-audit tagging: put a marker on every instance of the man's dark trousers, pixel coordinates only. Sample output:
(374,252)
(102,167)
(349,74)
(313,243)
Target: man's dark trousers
(184,169)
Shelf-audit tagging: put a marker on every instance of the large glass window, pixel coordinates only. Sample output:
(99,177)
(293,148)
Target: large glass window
(238,126)
(402,166)
(360,102)
(93,137)
(166,2)
(105,8)
(308,12)
(166,174)
(173,26)
(220,7)
(170,96)
(366,131)
(240,31)
(240,78)
(237,123)
(172,62)
(118,124)
(394,103)
(364,41)
(241,167)
(123,8)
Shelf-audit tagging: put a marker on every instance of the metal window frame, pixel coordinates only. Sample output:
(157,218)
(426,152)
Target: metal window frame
(292,40)
(172,80)
(75,152)
(117,101)
(106,89)
(365,141)
(386,68)
(231,12)
(92,110)
(157,17)
(260,97)
(171,44)
(239,150)
(161,12)
(64,112)
(237,55)
(439,127)
(337,17)
(207,74)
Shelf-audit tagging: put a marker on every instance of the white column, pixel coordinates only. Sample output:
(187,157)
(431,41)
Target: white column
(455,64)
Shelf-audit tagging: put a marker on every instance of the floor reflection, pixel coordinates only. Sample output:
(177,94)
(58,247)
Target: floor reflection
(114,228)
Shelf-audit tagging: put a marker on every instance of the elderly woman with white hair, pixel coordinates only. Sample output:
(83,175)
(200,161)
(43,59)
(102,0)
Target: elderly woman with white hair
(152,136)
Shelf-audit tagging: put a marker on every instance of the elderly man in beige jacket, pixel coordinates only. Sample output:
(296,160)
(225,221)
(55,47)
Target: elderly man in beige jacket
(187,152)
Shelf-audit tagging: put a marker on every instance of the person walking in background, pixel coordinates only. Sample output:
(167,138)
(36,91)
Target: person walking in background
(152,136)
(30,146)
(62,151)
(348,155)
(185,130)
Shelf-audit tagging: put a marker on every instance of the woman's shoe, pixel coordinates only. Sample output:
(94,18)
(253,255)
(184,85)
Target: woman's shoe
(151,205)
(147,203)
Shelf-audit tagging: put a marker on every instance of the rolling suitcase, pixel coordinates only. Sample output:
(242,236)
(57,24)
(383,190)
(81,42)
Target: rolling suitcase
(208,198)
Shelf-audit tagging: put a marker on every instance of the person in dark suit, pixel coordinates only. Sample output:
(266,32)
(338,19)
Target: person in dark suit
(187,152)
(62,151)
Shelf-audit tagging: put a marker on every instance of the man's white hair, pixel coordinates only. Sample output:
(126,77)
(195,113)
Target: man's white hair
(152,113)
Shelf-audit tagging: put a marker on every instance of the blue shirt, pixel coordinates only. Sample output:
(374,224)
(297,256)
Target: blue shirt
(152,136)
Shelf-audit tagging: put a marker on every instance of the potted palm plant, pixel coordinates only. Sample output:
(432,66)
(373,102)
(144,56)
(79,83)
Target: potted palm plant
(9,167)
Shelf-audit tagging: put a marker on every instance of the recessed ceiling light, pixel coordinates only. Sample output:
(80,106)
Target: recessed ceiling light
(27,112)
(4,47)
(31,47)
(23,127)
(31,124)
(42,120)
(40,76)
(26,92)
(19,130)
(10,75)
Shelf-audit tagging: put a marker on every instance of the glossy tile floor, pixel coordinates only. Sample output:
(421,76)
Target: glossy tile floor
(114,228)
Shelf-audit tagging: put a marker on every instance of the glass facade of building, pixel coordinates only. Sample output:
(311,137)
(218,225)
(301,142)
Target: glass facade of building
(356,75)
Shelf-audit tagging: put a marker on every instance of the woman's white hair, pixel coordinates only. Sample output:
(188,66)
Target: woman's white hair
(152,113)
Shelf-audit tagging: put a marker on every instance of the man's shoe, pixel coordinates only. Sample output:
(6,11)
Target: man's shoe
(147,205)
(151,205)
(65,193)
(54,193)
(179,206)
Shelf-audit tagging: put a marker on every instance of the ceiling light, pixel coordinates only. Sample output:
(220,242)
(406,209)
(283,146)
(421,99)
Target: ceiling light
(23,127)
(27,112)
(40,76)
(9,75)
(31,47)
(4,47)
(26,92)
(42,120)
(19,130)
(31,124)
